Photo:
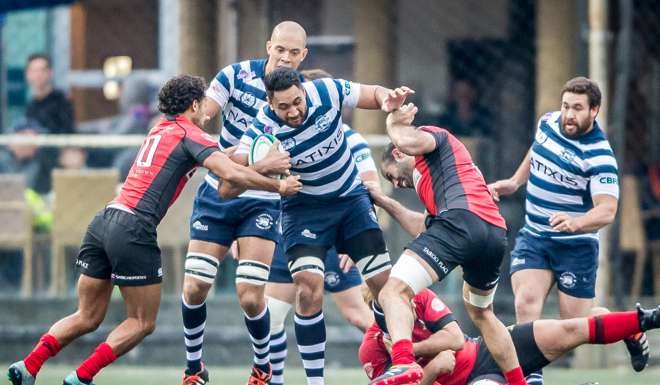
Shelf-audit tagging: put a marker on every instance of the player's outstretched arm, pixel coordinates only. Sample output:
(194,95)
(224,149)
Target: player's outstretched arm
(406,137)
(377,97)
(509,186)
(241,177)
(411,221)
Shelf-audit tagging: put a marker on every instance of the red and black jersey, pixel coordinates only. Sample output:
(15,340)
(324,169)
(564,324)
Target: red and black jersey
(446,178)
(167,159)
(431,315)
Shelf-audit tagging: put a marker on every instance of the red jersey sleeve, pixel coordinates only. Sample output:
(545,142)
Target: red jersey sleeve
(439,134)
(198,143)
(373,356)
(432,311)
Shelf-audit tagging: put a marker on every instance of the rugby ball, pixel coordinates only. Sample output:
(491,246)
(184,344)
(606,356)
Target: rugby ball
(259,149)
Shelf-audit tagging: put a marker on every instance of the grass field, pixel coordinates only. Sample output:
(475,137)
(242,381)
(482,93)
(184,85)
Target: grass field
(120,375)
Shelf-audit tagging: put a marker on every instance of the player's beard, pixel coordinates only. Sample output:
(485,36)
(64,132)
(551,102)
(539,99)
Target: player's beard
(581,128)
(406,171)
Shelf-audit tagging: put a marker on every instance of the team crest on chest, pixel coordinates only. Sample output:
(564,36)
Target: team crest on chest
(248,99)
(322,123)
(567,155)
(288,144)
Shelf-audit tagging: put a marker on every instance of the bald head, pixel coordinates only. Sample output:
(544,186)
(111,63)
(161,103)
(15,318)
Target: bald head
(289,29)
(286,47)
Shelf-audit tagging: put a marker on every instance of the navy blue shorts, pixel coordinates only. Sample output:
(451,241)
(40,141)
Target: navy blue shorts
(335,279)
(221,221)
(327,223)
(573,262)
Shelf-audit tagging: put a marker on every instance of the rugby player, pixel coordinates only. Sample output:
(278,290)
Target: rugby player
(342,279)
(463,227)
(538,343)
(250,219)
(572,191)
(120,247)
(334,208)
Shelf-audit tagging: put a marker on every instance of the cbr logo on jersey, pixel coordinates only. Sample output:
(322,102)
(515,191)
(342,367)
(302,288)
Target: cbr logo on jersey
(288,144)
(264,221)
(321,151)
(361,157)
(322,123)
(248,99)
(347,87)
(608,180)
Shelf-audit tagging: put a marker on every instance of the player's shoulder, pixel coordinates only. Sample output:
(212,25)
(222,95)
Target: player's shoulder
(549,117)
(434,130)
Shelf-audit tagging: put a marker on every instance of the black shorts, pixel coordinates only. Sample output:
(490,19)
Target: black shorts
(529,355)
(122,247)
(459,237)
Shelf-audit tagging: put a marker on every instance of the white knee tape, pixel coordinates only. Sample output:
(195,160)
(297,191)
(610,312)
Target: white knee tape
(411,271)
(481,301)
(203,267)
(252,272)
(278,312)
(309,264)
(374,264)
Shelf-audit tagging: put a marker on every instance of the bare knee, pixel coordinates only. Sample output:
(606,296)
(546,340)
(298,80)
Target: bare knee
(480,315)
(528,306)
(309,292)
(251,298)
(394,289)
(146,326)
(88,322)
(195,291)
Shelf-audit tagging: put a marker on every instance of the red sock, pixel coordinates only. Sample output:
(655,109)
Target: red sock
(515,377)
(402,352)
(47,347)
(613,327)
(102,357)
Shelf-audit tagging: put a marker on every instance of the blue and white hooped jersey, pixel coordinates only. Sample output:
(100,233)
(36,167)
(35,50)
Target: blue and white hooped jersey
(319,150)
(240,92)
(565,174)
(359,149)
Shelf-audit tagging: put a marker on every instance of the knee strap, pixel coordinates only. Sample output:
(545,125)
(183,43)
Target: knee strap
(252,272)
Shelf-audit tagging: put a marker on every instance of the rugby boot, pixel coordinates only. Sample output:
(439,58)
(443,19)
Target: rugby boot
(648,318)
(72,379)
(400,375)
(199,378)
(259,377)
(19,375)
(638,347)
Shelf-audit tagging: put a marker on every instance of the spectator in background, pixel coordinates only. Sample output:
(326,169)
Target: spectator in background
(136,106)
(464,115)
(34,162)
(48,106)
